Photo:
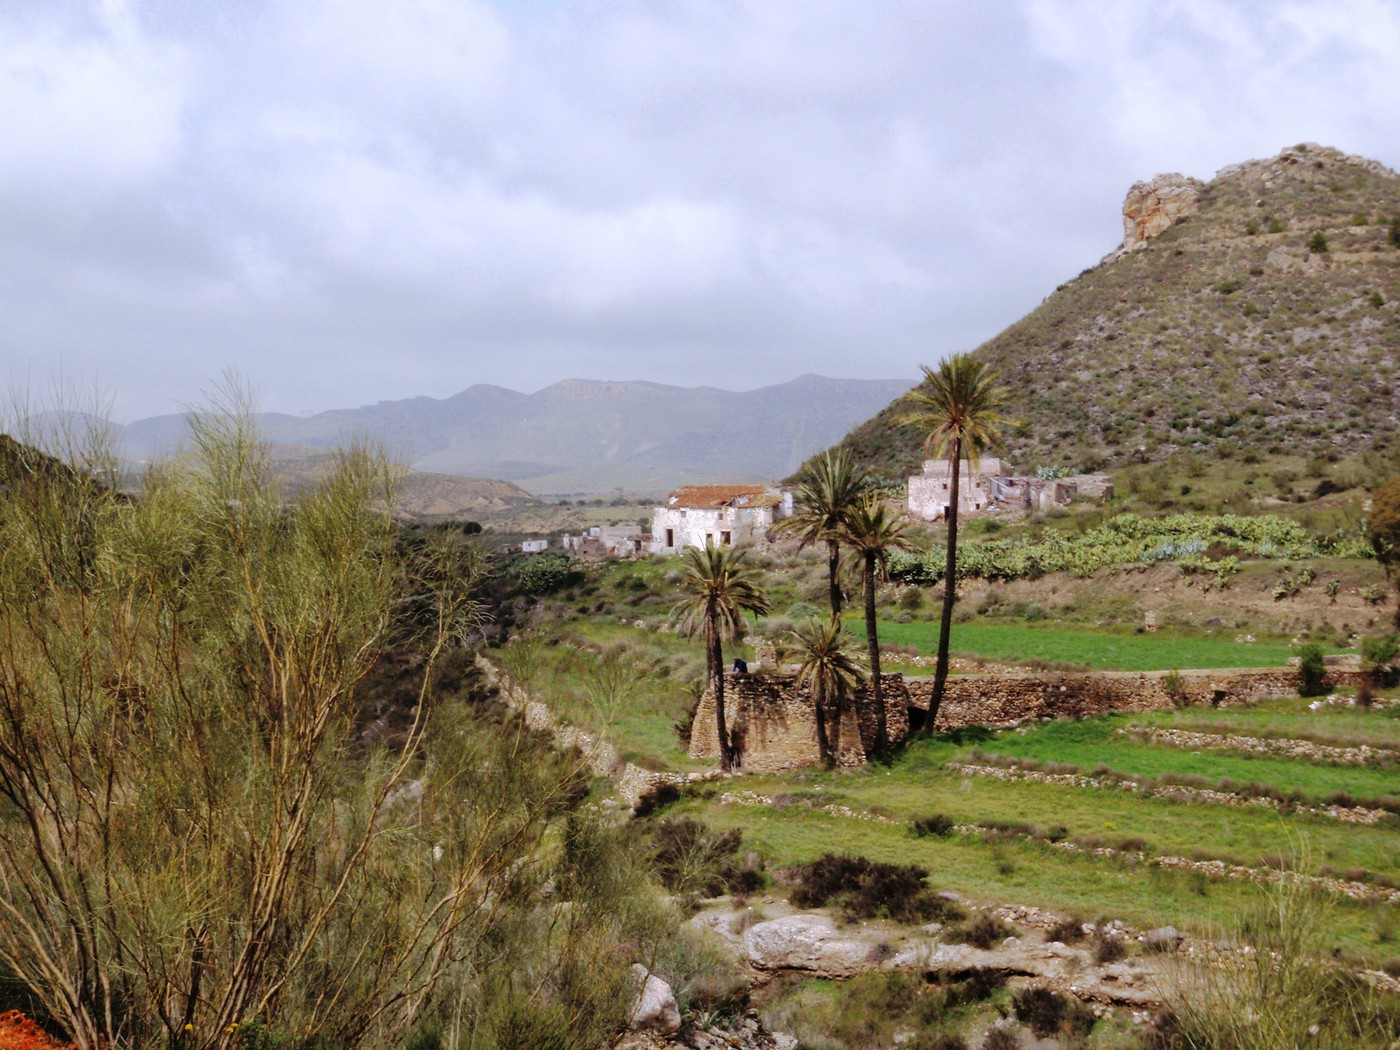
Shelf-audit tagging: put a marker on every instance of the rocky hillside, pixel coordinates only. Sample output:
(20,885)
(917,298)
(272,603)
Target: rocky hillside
(1255,314)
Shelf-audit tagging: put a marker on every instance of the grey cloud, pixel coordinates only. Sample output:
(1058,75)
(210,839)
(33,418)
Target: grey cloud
(352,201)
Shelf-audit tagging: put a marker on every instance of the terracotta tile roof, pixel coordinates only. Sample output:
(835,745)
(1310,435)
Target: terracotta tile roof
(712,497)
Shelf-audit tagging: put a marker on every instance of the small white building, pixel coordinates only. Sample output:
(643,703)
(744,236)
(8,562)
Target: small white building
(725,515)
(533,546)
(930,492)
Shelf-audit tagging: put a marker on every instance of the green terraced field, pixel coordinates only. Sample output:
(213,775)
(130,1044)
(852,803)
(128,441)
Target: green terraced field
(1103,650)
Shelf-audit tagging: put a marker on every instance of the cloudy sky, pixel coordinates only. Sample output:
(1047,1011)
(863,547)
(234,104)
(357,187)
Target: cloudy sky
(355,200)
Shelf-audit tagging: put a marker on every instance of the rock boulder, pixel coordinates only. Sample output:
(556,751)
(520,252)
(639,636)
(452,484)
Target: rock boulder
(656,1009)
(806,942)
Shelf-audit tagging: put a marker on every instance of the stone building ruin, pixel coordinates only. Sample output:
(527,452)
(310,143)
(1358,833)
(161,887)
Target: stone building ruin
(989,487)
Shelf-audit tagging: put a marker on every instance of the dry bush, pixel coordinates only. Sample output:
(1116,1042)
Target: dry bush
(1281,992)
(197,845)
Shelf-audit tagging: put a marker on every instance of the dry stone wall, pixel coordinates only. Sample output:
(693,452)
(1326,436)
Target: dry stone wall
(1000,700)
(775,727)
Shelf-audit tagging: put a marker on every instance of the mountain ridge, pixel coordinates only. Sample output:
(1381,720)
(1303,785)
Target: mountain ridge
(581,435)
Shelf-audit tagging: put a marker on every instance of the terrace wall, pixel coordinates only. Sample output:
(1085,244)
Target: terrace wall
(777,729)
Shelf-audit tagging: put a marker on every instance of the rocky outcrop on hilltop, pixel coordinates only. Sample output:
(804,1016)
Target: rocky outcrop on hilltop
(1254,315)
(1157,205)
(1305,162)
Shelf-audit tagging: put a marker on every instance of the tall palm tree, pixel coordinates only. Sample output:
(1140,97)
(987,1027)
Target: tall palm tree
(871,532)
(720,590)
(827,671)
(958,405)
(828,488)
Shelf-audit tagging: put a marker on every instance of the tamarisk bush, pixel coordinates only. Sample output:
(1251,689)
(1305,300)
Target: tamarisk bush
(197,847)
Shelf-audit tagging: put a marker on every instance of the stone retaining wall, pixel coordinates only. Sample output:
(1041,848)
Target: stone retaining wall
(632,781)
(775,728)
(1002,699)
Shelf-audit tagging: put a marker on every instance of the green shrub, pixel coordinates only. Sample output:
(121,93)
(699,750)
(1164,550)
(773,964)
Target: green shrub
(1283,993)
(1312,670)
(1317,243)
(935,824)
(690,858)
(546,572)
(1378,652)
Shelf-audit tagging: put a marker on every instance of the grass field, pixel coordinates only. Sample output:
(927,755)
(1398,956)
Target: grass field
(873,808)
(1101,650)
(1091,742)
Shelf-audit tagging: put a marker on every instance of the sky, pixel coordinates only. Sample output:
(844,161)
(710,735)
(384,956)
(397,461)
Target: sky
(348,201)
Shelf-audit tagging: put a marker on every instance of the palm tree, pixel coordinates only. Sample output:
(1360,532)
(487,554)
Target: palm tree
(871,532)
(959,407)
(827,672)
(721,589)
(828,487)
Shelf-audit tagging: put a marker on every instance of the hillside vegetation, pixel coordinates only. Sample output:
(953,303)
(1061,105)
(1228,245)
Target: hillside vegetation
(1265,323)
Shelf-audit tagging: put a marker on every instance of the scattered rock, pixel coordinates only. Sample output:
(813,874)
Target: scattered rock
(1162,939)
(656,1008)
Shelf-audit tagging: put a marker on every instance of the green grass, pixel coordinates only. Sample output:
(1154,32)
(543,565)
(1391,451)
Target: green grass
(1102,650)
(917,784)
(1379,728)
(1091,742)
(1026,872)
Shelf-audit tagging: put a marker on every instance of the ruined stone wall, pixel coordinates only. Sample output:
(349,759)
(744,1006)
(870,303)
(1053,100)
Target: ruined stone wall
(999,700)
(775,728)
(778,731)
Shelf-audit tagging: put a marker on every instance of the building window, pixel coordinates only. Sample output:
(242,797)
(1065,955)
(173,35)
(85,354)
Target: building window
(725,539)
(670,537)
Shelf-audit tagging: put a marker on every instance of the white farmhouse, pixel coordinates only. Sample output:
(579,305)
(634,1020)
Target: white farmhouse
(725,515)
(534,545)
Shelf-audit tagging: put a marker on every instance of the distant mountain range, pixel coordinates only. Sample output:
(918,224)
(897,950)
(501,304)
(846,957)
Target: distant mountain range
(583,437)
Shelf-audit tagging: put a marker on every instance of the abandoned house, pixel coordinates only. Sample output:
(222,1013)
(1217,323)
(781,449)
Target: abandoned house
(606,541)
(929,492)
(534,545)
(725,515)
(990,487)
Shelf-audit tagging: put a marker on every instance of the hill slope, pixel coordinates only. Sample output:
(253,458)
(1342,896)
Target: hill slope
(586,436)
(1225,333)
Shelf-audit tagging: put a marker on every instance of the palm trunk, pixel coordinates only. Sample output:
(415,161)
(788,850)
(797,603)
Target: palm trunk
(823,739)
(833,571)
(872,639)
(950,588)
(714,667)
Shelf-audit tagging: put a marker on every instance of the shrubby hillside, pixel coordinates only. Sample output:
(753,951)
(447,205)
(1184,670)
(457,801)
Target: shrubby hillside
(1265,322)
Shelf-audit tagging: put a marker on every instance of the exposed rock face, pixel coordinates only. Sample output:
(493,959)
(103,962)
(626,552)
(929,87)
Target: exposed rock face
(1157,205)
(805,942)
